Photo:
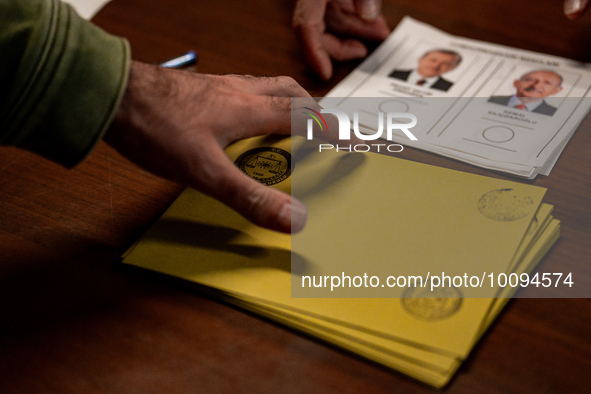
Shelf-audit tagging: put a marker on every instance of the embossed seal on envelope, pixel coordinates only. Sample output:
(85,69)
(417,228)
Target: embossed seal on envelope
(267,165)
(505,205)
(433,305)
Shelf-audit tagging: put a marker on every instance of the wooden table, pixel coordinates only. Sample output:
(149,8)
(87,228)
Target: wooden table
(72,321)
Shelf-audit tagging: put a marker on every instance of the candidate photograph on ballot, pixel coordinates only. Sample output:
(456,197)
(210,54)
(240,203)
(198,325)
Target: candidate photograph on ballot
(530,92)
(430,67)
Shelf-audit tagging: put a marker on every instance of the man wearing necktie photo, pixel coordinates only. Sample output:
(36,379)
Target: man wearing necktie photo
(429,69)
(531,89)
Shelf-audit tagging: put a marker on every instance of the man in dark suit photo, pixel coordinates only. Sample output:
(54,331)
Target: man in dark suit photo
(430,66)
(531,89)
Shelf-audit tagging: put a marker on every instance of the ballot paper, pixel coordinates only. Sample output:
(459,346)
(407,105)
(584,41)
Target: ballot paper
(368,214)
(489,105)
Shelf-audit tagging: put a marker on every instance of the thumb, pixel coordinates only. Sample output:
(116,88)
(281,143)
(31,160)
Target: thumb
(262,205)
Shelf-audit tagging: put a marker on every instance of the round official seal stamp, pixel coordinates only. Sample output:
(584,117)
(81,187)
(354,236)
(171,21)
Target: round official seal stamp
(267,165)
(505,205)
(425,304)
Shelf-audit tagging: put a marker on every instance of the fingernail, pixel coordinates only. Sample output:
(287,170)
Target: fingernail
(369,9)
(574,6)
(326,73)
(361,52)
(294,213)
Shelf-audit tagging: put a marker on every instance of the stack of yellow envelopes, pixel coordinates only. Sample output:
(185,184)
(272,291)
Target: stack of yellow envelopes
(370,215)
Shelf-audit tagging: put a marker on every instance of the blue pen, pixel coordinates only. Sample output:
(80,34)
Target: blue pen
(188,59)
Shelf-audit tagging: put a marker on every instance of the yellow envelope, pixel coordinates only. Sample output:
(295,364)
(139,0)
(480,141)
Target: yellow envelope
(429,365)
(367,213)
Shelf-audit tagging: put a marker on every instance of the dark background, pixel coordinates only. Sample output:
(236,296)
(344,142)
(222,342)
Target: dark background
(72,320)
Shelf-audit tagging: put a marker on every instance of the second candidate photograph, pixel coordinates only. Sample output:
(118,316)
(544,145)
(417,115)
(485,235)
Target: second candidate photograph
(530,91)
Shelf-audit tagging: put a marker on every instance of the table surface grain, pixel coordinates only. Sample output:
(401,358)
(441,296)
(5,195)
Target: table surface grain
(72,320)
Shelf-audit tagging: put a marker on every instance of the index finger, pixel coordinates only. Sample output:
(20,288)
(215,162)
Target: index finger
(281,86)
(308,23)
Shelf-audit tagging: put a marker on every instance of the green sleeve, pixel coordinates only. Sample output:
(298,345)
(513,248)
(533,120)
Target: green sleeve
(61,79)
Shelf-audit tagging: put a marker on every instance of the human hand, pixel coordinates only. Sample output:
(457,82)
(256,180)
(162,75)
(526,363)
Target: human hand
(575,8)
(176,124)
(315,21)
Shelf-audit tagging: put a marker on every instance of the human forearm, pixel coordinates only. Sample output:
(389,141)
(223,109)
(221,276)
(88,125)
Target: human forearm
(62,79)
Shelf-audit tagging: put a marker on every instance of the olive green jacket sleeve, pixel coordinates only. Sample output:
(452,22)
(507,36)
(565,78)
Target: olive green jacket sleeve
(61,79)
